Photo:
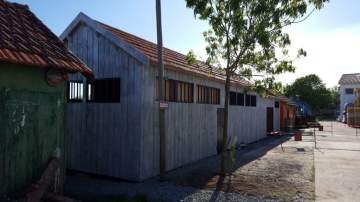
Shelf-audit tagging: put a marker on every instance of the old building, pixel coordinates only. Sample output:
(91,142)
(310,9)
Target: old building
(33,65)
(112,126)
(348,85)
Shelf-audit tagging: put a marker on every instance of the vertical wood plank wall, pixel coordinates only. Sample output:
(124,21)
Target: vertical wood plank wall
(104,138)
(122,139)
(191,128)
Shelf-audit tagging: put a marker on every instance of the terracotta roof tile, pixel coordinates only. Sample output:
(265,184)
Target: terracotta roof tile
(171,58)
(24,39)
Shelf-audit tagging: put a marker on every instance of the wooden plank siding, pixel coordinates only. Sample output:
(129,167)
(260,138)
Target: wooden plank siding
(191,128)
(104,138)
(122,139)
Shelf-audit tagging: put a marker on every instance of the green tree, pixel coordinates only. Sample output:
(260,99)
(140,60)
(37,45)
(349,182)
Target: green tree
(247,36)
(313,91)
(335,98)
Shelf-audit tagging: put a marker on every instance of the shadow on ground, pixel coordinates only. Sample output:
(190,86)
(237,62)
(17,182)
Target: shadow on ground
(267,168)
(274,168)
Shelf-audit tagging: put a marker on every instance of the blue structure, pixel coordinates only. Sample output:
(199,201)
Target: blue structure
(304,108)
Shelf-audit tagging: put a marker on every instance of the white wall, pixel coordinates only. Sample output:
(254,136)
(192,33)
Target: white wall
(346,98)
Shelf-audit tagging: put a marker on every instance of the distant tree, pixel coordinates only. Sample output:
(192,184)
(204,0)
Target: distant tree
(313,91)
(244,37)
(335,97)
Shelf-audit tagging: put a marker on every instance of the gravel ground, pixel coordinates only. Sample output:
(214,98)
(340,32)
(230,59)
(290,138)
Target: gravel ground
(86,188)
(265,171)
(276,168)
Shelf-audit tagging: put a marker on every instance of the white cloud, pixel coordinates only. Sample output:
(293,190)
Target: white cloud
(330,54)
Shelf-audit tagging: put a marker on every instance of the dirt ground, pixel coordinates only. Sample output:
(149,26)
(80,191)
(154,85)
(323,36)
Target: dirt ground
(279,169)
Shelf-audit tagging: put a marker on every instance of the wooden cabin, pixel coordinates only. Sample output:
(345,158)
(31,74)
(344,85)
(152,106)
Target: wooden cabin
(113,127)
(33,65)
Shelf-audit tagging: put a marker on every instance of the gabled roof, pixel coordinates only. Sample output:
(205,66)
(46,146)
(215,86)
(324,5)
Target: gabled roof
(24,39)
(140,48)
(350,79)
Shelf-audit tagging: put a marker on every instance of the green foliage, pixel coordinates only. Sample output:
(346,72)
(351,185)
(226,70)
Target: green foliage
(312,90)
(245,35)
(191,58)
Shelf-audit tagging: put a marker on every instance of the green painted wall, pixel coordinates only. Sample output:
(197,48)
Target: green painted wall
(31,125)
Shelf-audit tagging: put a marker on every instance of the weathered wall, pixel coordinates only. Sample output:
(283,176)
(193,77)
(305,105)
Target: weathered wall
(31,125)
(104,138)
(122,139)
(191,128)
(248,124)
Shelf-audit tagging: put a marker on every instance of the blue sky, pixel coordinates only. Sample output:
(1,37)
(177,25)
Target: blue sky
(330,36)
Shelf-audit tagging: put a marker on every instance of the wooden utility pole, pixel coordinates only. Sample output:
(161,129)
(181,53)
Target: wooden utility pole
(161,91)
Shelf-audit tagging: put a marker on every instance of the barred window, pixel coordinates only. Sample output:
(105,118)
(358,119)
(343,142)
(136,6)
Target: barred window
(75,91)
(185,92)
(177,91)
(208,95)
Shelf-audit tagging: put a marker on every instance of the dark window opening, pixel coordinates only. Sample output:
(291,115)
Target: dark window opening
(248,100)
(75,91)
(208,95)
(240,99)
(232,98)
(349,91)
(253,100)
(236,99)
(277,104)
(104,90)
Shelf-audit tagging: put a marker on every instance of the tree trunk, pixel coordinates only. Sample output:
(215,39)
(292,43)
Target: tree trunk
(225,129)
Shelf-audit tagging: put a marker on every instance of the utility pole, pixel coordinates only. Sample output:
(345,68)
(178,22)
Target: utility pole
(162,104)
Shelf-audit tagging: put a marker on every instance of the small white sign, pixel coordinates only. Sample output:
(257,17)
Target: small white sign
(164,105)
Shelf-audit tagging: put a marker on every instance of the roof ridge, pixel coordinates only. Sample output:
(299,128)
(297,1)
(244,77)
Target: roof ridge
(138,37)
(153,43)
(23,6)
(171,57)
(351,74)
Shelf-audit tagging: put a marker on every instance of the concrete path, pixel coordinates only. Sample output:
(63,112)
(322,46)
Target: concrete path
(337,164)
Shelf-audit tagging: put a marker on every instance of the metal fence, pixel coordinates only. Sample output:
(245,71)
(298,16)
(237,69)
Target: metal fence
(339,128)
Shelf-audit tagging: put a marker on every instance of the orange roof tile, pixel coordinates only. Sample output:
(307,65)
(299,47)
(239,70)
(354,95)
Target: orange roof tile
(171,58)
(24,39)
